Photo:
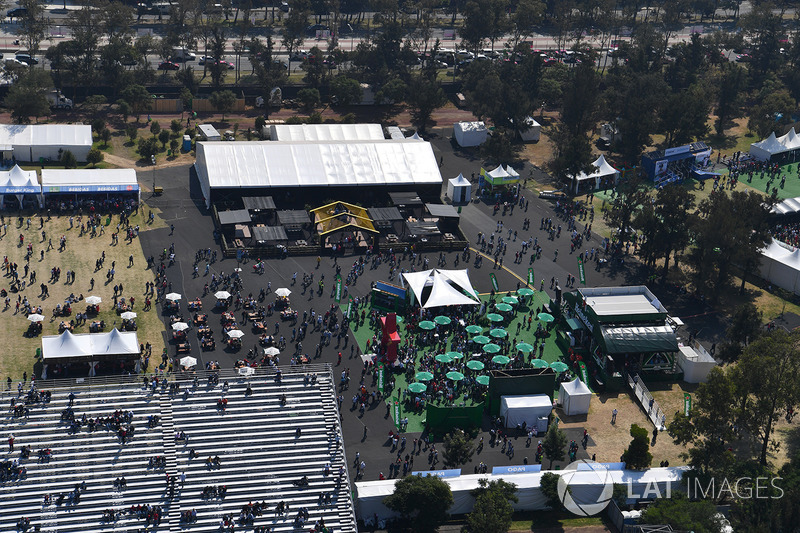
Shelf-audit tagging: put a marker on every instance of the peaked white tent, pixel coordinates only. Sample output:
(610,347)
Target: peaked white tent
(19,182)
(764,150)
(602,170)
(116,342)
(790,141)
(86,346)
(780,265)
(575,397)
(459,189)
(470,133)
(532,130)
(439,288)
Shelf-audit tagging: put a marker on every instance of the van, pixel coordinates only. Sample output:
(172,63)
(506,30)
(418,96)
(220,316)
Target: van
(182,54)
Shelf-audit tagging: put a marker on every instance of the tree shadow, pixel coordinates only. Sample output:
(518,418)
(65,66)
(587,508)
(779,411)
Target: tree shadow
(791,439)
(722,142)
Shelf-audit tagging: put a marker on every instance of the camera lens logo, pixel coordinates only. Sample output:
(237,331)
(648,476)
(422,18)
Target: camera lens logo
(585,488)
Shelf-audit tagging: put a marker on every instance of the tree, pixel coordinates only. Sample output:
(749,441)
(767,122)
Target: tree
(424,96)
(294,27)
(124,109)
(223,101)
(683,116)
(665,224)
(163,136)
(105,134)
(501,146)
(458,449)
(424,501)
(94,157)
(346,91)
(638,456)
(148,147)
(682,514)
(309,98)
(138,98)
(773,111)
(175,126)
(32,25)
(554,443)
(132,132)
(549,486)
(26,97)
(315,67)
(747,324)
(730,84)
(492,510)
(155,128)
(393,91)
(630,196)
(173,145)
(68,159)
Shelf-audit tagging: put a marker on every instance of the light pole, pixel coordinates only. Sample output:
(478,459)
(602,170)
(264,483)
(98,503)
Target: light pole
(153,162)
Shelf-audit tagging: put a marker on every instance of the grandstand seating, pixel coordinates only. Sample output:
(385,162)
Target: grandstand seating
(255,437)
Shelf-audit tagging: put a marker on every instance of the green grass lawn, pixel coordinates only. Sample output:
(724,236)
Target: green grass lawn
(552,352)
(552,520)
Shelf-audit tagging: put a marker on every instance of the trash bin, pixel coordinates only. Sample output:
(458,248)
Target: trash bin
(187,143)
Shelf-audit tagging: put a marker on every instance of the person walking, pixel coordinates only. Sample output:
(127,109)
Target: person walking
(614,416)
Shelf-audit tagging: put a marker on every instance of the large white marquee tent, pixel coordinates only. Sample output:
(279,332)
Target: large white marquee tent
(265,164)
(763,150)
(602,170)
(585,485)
(43,141)
(780,265)
(90,180)
(326,132)
(86,346)
(438,288)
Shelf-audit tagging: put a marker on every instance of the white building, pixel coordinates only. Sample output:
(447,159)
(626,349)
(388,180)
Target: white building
(25,142)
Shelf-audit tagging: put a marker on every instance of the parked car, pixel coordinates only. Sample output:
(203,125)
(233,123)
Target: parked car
(17,12)
(299,55)
(168,65)
(285,7)
(226,64)
(311,30)
(27,59)
(205,59)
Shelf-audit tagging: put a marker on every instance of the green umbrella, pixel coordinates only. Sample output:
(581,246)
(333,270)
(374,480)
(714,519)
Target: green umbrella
(424,376)
(475,365)
(525,291)
(491,348)
(455,376)
(483,380)
(454,355)
(524,347)
(498,333)
(546,317)
(482,339)
(500,359)
(427,324)
(444,358)
(539,363)
(442,320)
(494,317)
(558,366)
(398,319)
(505,308)
(510,300)
(417,387)
(473,329)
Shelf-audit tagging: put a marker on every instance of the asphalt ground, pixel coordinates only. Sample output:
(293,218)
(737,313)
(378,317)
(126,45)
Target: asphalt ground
(182,206)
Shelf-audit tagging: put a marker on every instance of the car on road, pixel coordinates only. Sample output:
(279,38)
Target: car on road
(27,59)
(300,55)
(285,7)
(168,65)
(227,64)
(206,59)
(17,12)
(12,62)
(311,30)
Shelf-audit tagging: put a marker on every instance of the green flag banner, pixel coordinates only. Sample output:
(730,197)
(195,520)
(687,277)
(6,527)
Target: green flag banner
(531,277)
(584,373)
(687,404)
(493,278)
(349,307)
(581,272)
(338,291)
(397,412)
(379,368)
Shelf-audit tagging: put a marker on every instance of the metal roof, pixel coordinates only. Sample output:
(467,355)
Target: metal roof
(384,213)
(269,233)
(258,203)
(442,210)
(239,216)
(295,216)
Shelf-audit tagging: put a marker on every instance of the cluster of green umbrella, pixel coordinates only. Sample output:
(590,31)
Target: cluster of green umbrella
(512,300)
(501,359)
(498,333)
(481,339)
(427,325)
(475,365)
(525,291)
(524,347)
(505,308)
(491,348)
(474,329)
(494,317)
(442,320)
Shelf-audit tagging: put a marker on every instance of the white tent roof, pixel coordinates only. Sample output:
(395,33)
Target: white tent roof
(46,135)
(790,206)
(320,164)
(790,141)
(444,285)
(769,146)
(16,177)
(499,172)
(416,137)
(602,168)
(468,127)
(524,408)
(511,172)
(54,177)
(576,387)
(85,345)
(459,181)
(575,397)
(326,132)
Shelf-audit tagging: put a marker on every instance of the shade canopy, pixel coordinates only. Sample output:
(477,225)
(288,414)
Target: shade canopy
(427,325)
(638,339)
(424,376)
(444,358)
(539,363)
(188,361)
(524,347)
(518,410)
(89,180)
(237,216)
(417,387)
(498,333)
(601,169)
(473,329)
(440,288)
(85,346)
(442,320)
(483,380)
(525,291)
(505,308)
(475,365)
(501,359)
(558,366)
(283,292)
(546,317)
(455,355)
(222,295)
(491,348)
(18,181)
(93,300)
(455,376)
(494,317)
(481,339)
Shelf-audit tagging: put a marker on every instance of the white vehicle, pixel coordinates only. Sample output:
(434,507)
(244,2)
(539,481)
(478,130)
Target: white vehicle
(58,100)
(182,54)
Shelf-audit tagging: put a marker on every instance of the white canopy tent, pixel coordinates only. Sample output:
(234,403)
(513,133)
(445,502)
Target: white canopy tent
(90,180)
(602,170)
(790,141)
(780,265)
(326,132)
(86,346)
(765,149)
(266,164)
(459,189)
(470,133)
(575,397)
(532,130)
(695,362)
(527,409)
(46,141)
(19,183)
(584,484)
(446,287)
(790,206)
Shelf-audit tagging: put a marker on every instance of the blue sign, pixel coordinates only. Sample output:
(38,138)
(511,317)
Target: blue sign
(20,190)
(585,467)
(438,473)
(90,188)
(518,469)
